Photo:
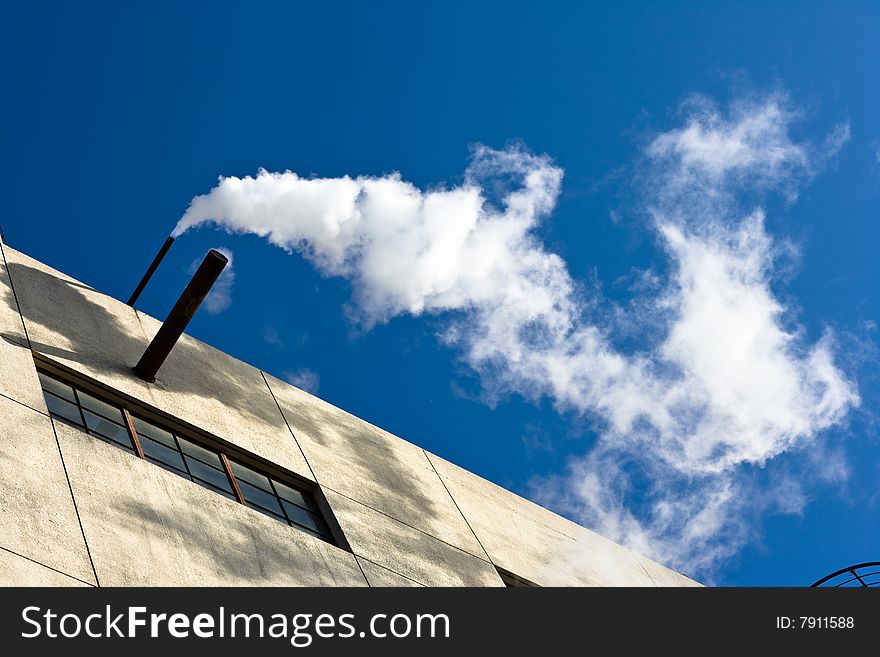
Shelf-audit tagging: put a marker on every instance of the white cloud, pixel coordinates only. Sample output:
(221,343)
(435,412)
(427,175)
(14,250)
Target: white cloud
(875,150)
(733,383)
(753,142)
(271,336)
(220,296)
(715,153)
(729,383)
(304,379)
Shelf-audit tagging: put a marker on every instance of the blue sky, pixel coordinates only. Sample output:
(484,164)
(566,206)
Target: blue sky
(116,116)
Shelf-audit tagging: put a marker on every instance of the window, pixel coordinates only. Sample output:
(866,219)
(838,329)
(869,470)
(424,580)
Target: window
(200,463)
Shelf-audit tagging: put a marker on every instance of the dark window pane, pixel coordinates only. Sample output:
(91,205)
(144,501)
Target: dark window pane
(66,422)
(127,448)
(106,428)
(149,429)
(204,455)
(254,495)
(221,491)
(266,512)
(209,474)
(295,496)
(159,452)
(63,409)
(99,407)
(302,517)
(165,466)
(323,537)
(242,472)
(56,387)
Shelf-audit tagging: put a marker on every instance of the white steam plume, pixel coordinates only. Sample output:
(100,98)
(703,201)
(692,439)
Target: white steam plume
(729,382)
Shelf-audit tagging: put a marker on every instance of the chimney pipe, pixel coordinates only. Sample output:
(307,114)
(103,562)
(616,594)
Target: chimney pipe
(179,317)
(152,268)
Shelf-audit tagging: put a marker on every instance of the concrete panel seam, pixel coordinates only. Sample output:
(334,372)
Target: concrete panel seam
(30,408)
(647,573)
(466,521)
(137,316)
(519,513)
(415,581)
(75,507)
(361,568)
(290,429)
(15,296)
(406,524)
(39,563)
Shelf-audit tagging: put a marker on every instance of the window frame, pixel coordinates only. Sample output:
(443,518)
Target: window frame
(514,581)
(229,454)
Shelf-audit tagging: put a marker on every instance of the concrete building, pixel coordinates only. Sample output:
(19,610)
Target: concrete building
(220,474)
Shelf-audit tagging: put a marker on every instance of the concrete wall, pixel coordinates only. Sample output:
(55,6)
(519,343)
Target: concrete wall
(410,518)
(160,529)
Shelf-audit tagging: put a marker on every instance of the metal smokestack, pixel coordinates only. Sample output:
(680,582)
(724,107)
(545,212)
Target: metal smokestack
(183,311)
(152,268)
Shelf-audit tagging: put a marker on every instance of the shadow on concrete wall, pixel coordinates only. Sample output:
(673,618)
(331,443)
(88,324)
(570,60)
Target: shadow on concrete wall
(93,336)
(108,344)
(372,461)
(239,551)
(197,548)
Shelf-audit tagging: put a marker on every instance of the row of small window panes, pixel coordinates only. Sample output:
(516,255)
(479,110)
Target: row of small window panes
(183,457)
